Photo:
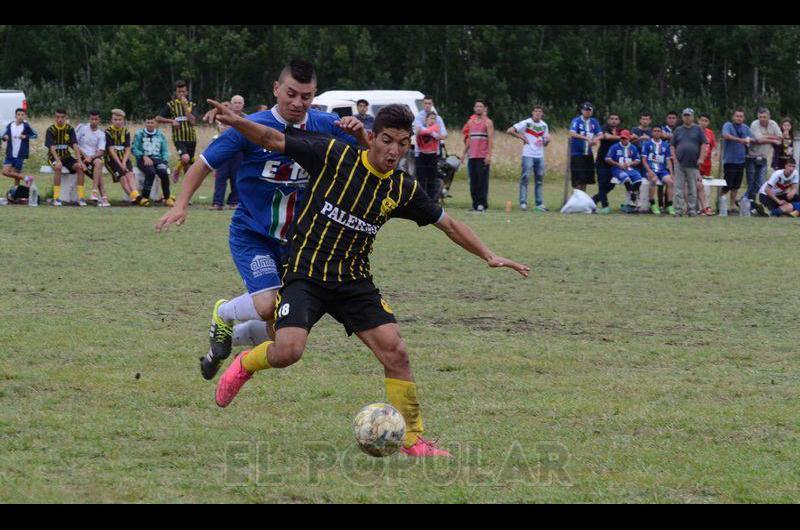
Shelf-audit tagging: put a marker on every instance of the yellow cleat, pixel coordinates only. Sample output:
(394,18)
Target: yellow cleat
(144,202)
(169,201)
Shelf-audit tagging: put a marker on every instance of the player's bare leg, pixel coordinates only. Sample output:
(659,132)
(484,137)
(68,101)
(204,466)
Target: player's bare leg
(390,349)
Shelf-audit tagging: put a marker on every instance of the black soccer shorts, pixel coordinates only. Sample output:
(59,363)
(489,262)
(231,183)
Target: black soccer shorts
(356,304)
(186,148)
(116,170)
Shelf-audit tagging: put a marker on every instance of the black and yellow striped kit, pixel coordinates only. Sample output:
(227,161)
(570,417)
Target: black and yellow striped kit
(179,111)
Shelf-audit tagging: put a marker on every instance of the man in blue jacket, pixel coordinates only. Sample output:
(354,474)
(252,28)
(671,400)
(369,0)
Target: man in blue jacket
(18,134)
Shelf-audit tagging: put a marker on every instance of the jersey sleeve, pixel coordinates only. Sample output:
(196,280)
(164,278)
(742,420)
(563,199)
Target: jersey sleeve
(419,208)
(573,126)
(308,149)
(339,134)
(49,138)
(612,153)
(223,148)
(520,126)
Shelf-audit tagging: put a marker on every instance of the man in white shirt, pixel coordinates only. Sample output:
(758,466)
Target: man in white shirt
(779,193)
(766,133)
(535,136)
(92,141)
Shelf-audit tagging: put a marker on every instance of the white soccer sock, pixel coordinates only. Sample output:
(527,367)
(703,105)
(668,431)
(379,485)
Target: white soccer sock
(240,308)
(250,333)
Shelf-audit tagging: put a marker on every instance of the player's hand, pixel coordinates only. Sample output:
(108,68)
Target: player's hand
(176,215)
(350,125)
(223,114)
(499,261)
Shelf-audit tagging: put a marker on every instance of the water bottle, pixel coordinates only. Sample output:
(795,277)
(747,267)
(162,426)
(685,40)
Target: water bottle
(744,207)
(33,196)
(723,206)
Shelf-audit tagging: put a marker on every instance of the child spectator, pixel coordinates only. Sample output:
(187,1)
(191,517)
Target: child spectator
(18,134)
(152,158)
(535,136)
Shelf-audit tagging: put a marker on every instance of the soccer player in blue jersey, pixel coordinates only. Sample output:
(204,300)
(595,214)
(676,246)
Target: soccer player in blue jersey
(584,132)
(656,154)
(270,186)
(623,157)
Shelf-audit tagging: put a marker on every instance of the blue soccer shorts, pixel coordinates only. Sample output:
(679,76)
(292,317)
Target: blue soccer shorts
(619,176)
(258,258)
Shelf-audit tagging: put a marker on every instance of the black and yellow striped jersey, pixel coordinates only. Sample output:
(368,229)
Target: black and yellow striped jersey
(62,138)
(117,140)
(177,110)
(346,202)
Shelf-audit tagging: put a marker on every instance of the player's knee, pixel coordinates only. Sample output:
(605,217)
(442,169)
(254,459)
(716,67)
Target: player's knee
(287,354)
(185,159)
(395,356)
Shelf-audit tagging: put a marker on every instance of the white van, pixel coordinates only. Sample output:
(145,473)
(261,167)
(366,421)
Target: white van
(10,101)
(343,102)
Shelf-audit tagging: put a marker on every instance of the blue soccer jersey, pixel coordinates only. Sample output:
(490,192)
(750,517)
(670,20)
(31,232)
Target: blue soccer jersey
(623,154)
(586,128)
(270,185)
(657,155)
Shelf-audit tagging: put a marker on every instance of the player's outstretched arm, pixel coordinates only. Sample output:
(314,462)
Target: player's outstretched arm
(463,236)
(262,135)
(177,214)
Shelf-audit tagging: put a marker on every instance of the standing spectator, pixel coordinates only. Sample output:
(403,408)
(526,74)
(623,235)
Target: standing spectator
(92,141)
(766,134)
(118,155)
(419,121)
(785,150)
(736,136)
(779,192)
(180,113)
(227,171)
(670,125)
(584,132)
(609,137)
(535,136)
(623,157)
(59,139)
(689,151)
(479,149)
(152,158)
(656,156)
(705,169)
(428,143)
(18,135)
(363,116)
(641,133)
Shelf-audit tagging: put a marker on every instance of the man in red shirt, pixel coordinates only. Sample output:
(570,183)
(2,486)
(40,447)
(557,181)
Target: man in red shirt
(705,169)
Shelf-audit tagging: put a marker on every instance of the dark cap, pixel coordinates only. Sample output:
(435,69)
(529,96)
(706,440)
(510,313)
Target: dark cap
(587,106)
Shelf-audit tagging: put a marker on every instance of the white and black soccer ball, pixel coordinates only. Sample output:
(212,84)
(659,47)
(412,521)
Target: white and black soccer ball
(379,429)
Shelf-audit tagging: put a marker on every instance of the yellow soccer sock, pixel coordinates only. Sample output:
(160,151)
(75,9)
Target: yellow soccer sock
(403,396)
(134,194)
(256,359)
(56,192)
(80,192)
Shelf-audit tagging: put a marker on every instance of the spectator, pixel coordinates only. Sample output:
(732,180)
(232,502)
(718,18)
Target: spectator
(59,139)
(670,125)
(642,133)
(623,157)
(363,116)
(152,158)
(228,170)
(736,136)
(479,149)
(180,113)
(584,132)
(766,134)
(419,121)
(118,155)
(689,152)
(18,134)
(609,137)
(428,144)
(785,150)
(535,136)
(92,141)
(705,169)
(656,156)
(262,108)
(779,193)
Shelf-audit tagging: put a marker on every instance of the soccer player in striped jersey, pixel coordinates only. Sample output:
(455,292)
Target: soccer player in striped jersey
(352,193)
(270,186)
(180,113)
(118,155)
(60,137)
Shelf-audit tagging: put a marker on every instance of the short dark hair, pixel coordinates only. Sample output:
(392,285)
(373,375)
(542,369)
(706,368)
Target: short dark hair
(393,116)
(613,114)
(360,101)
(673,113)
(656,126)
(94,113)
(61,110)
(538,107)
(790,161)
(738,109)
(482,102)
(150,116)
(427,97)
(300,69)
(19,110)
(645,114)
(180,83)
(705,115)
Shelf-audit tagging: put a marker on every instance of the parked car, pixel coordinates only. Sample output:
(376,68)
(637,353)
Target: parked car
(10,101)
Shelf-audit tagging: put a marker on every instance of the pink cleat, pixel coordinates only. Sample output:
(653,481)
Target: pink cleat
(232,381)
(424,447)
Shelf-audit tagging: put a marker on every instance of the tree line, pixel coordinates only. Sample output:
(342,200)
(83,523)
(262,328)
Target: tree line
(625,69)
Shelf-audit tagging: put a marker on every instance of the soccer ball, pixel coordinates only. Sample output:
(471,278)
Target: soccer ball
(379,429)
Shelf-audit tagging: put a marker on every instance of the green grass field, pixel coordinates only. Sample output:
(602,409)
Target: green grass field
(645,360)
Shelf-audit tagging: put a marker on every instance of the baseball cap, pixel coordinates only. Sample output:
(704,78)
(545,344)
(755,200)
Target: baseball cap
(587,106)
(688,111)
(625,133)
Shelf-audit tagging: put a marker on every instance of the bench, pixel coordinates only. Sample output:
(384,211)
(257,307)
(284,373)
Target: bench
(69,184)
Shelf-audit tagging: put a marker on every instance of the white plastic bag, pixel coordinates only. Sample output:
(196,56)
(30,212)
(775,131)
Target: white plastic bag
(579,202)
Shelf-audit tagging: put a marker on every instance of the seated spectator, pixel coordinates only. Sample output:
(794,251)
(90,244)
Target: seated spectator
(656,155)
(778,195)
(58,140)
(92,141)
(118,155)
(705,169)
(363,116)
(428,145)
(152,158)
(736,136)
(623,157)
(18,135)
(785,150)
